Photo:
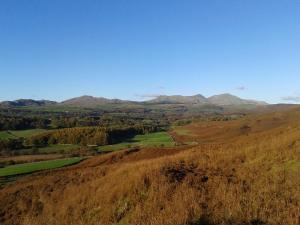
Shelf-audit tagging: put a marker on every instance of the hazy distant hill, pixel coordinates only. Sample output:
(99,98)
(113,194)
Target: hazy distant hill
(27,102)
(228,99)
(219,100)
(176,99)
(90,101)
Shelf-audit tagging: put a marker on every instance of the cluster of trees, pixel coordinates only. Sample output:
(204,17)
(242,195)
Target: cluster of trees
(11,144)
(22,123)
(13,121)
(106,120)
(88,135)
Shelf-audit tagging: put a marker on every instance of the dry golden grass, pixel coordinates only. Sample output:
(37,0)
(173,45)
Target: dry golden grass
(236,177)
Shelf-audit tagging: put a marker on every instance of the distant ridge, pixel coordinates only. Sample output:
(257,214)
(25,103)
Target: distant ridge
(228,99)
(175,99)
(218,100)
(90,101)
(27,102)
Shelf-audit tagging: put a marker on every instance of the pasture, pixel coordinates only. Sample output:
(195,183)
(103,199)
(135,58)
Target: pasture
(59,148)
(158,139)
(37,166)
(20,133)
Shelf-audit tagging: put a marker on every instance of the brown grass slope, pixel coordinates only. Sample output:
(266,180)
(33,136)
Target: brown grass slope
(243,172)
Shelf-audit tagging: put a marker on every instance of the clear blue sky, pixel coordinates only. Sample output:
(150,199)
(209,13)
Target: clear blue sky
(131,49)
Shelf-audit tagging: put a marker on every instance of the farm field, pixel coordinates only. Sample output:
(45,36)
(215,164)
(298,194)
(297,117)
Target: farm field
(59,148)
(29,158)
(50,149)
(159,139)
(37,166)
(20,134)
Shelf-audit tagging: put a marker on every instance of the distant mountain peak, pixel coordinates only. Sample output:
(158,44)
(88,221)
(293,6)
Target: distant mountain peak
(26,102)
(225,99)
(229,99)
(90,101)
(179,99)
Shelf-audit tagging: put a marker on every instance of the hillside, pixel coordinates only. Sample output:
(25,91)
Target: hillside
(228,99)
(179,99)
(90,101)
(27,102)
(240,172)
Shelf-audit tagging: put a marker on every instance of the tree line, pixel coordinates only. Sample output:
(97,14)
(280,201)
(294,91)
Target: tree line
(88,135)
(22,123)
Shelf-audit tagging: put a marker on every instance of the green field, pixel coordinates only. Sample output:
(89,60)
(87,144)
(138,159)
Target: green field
(147,140)
(37,166)
(59,148)
(20,133)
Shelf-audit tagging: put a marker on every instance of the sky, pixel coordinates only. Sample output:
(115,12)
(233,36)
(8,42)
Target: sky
(138,49)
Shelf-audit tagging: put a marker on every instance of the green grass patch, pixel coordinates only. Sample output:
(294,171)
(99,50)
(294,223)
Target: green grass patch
(59,148)
(158,139)
(4,135)
(293,165)
(20,133)
(37,166)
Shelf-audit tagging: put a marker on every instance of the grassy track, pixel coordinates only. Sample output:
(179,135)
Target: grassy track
(20,133)
(147,140)
(37,166)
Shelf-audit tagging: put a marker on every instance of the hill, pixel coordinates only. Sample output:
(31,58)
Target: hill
(179,99)
(90,101)
(27,102)
(240,172)
(228,99)
(218,100)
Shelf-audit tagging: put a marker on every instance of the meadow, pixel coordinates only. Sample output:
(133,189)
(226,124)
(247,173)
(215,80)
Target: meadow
(58,148)
(20,134)
(158,139)
(37,166)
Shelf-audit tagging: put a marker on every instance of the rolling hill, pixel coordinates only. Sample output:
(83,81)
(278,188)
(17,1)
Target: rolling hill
(90,101)
(27,102)
(228,99)
(241,172)
(179,99)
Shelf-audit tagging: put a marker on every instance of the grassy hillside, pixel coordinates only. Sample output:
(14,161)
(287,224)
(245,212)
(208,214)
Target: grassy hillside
(243,172)
(20,133)
(159,139)
(58,148)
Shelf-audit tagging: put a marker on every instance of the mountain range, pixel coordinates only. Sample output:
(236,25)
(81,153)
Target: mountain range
(90,101)
(219,100)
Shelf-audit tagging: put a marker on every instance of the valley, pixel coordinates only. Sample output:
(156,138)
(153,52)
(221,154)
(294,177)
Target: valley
(153,168)
(135,112)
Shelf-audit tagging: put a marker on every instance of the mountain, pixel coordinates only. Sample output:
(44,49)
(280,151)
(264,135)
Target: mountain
(26,102)
(228,99)
(90,101)
(179,99)
(218,100)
